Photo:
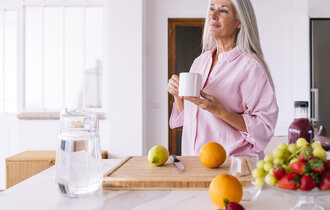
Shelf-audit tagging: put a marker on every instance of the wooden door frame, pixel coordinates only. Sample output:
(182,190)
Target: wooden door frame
(172,23)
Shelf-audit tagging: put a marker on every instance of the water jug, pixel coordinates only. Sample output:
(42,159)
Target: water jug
(78,157)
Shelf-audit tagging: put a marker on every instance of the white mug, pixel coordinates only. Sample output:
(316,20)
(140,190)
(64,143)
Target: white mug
(190,84)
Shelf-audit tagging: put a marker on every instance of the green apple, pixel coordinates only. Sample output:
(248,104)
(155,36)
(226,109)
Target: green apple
(158,155)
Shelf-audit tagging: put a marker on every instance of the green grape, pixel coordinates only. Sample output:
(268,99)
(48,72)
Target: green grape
(301,142)
(270,180)
(292,148)
(270,172)
(287,168)
(282,146)
(258,173)
(260,164)
(268,158)
(279,153)
(316,144)
(268,166)
(319,152)
(259,182)
(279,161)
(294,160)
(286,154)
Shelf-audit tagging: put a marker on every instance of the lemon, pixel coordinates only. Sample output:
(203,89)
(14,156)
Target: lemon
(158,155)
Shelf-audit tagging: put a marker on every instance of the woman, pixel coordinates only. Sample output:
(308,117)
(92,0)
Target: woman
(238,107)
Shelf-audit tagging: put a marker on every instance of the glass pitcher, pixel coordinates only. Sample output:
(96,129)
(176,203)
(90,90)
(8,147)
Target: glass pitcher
(78,158)
(301,126)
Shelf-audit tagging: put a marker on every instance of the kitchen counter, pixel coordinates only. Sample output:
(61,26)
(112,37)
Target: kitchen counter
(40,192)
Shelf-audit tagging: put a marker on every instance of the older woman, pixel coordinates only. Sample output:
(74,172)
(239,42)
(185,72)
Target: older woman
(238,107)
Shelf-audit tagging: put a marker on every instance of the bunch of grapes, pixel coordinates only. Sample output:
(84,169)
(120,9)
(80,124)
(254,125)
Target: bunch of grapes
(295,166)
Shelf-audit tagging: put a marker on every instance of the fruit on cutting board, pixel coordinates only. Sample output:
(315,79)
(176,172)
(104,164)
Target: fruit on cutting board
(158,155)
(212,155)
(225,186)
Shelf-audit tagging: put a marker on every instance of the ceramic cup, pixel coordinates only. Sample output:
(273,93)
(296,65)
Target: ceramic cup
(190,84)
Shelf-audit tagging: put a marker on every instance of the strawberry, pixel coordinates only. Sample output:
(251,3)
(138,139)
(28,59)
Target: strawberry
(325,182)
(307,183)
(298,167)
(289,181)
(316,165)
(232,205)
(278,171)
(306,154)
(327,165)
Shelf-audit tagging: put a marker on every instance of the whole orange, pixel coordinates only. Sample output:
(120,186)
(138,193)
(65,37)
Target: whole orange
(212,155)
(225,186)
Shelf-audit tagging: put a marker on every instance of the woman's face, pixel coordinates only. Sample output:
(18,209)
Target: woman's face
(222,19)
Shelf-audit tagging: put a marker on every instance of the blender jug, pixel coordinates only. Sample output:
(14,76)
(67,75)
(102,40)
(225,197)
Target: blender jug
(78,157)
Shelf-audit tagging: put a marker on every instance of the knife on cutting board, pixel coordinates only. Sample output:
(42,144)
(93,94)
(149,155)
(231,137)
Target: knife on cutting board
(177,162)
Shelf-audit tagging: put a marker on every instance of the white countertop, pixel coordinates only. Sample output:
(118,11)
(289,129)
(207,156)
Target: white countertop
(40,192)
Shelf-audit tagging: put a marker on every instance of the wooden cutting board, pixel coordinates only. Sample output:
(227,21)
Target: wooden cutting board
(136,173)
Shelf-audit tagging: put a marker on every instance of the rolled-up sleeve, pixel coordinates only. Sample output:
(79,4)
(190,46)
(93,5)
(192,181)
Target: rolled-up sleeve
(261,112)
(176,119)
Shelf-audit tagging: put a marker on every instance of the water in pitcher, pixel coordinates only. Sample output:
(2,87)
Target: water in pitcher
(78,158)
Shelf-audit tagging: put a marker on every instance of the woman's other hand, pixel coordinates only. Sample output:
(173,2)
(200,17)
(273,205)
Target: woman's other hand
(209,103)
(213,105)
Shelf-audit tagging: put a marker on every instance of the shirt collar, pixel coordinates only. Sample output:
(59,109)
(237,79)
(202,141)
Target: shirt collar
(228,55)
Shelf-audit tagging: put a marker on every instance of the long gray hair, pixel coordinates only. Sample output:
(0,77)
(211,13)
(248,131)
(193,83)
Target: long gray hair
(247,36)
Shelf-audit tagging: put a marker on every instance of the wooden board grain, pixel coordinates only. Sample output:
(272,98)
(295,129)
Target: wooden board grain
(136,173)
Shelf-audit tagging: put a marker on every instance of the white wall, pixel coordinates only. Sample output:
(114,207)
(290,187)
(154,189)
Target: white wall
(8,143)
(319,8)
(124,64)
(283,28)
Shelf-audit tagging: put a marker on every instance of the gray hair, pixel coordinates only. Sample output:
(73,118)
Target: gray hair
(247,36)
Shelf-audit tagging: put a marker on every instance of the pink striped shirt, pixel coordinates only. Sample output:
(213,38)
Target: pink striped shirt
(240,83)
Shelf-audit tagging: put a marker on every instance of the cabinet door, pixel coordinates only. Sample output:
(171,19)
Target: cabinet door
(184,45)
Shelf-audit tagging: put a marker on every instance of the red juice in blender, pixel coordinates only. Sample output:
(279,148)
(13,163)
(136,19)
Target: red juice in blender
(301,127)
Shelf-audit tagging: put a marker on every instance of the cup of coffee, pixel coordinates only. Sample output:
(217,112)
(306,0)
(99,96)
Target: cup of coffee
(190,84)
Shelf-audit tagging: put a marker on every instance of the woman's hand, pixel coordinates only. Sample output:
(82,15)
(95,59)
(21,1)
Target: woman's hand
(173,89)
(173,86)
(209,103)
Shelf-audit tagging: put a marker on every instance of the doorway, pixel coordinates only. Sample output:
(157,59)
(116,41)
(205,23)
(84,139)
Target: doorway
(184,45)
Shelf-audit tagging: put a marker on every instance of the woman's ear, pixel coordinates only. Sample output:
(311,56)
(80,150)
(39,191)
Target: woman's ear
(239,26)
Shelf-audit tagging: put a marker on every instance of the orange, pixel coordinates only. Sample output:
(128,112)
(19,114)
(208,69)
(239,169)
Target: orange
(225,186)
(212,155)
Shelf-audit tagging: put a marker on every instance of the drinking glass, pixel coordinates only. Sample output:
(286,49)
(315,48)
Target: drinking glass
(78,158)
(241,166)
